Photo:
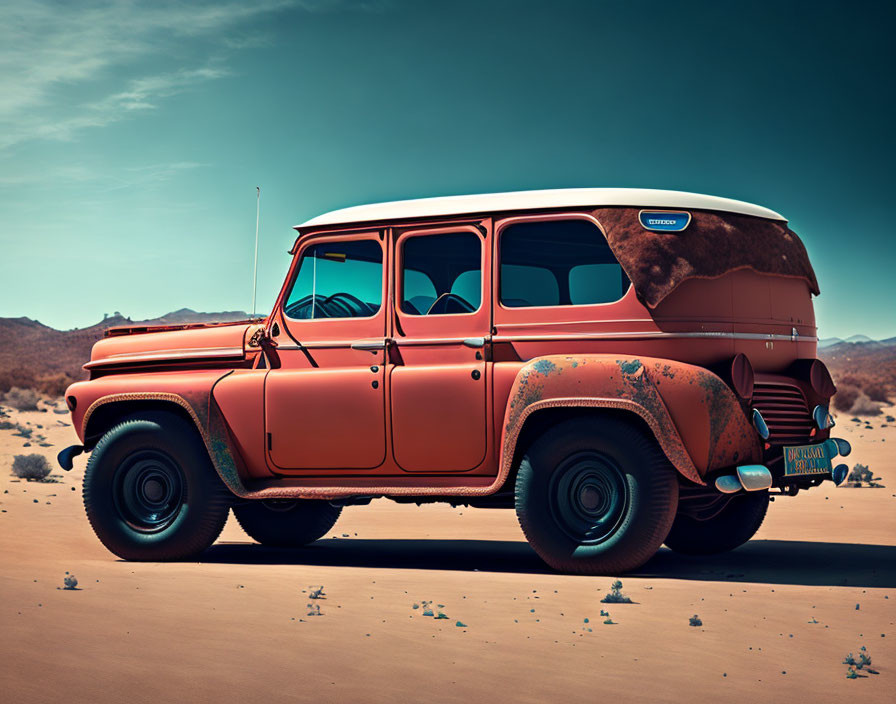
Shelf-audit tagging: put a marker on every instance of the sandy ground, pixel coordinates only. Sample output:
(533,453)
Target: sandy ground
(779,614)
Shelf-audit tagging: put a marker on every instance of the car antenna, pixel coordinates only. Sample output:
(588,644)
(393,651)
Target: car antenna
(255,267)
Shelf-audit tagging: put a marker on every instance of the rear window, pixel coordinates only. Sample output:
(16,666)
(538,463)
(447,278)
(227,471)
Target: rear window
(441,274)
(558,263)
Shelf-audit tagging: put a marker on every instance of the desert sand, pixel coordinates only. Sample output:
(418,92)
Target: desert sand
(779,614)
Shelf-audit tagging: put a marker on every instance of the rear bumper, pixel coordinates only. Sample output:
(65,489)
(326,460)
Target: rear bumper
(760,477)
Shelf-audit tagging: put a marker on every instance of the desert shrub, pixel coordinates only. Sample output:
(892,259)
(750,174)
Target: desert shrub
(863,662)
(55,384)
(32,467)
(876,391)
(616,596)
(846,396)
(860,473)
(851,380)
(864,406)
(21,399)
(18,377)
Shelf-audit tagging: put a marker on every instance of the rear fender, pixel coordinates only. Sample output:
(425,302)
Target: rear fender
(696,419)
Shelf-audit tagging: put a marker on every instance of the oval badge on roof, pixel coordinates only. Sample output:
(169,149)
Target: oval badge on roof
(664,220)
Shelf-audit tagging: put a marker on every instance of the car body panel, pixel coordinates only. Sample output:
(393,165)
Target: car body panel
(415,405)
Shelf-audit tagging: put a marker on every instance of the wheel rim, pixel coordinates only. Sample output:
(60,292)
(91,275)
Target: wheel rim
(149,490)
(589,497)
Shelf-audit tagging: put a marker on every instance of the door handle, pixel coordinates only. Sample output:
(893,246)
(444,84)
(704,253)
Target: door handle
(369,345)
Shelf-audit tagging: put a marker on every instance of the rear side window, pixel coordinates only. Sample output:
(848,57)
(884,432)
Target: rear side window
(558,263)
(441,274)
(337,280)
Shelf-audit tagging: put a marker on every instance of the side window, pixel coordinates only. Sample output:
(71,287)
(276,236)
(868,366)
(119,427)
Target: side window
(558,263)
(337,280)
(441,274)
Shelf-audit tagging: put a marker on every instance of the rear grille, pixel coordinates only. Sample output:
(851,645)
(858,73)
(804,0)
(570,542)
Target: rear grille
(785,411)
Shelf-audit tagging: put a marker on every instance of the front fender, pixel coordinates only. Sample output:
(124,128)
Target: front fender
(192,392)
(694,416)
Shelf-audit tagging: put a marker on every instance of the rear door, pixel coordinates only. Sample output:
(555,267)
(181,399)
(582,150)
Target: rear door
(438,376)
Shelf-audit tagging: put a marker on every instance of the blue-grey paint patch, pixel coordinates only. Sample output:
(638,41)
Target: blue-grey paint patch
(544,366)
(629,367)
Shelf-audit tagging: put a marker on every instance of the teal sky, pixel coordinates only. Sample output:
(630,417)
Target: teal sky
(132,135)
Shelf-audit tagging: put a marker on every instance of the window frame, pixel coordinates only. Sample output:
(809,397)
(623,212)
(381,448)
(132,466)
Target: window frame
(408,327)
(502,224)
(335,329)
(435,232)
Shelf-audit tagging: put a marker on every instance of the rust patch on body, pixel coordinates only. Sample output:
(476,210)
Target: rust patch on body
(642,386)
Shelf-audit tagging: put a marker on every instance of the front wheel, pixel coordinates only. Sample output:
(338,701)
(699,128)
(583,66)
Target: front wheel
(150,490)
(285,523)
(596,495)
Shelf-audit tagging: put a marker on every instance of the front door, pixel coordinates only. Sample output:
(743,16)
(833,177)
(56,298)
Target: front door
(438,385)
(325,404)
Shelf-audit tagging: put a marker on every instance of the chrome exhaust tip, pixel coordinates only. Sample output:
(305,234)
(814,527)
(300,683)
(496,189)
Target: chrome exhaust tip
(754,477)
(728,484)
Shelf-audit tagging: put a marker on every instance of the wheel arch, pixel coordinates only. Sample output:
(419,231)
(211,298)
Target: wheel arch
(107,412)
(540,420)
(690,412)
(205,417)
(541,415)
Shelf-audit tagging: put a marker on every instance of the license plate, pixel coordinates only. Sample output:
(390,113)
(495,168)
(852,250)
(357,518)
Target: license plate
(806,459)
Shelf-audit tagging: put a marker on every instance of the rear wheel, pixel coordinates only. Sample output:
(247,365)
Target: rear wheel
(731,527)
(596,496)
(150,490)
(284,523)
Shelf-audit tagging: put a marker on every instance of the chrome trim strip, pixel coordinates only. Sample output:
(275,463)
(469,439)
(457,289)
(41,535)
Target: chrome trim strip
(164,355)
(649,335)
(768,337)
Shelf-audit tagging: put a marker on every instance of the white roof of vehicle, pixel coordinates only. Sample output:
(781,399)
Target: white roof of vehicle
(536,200)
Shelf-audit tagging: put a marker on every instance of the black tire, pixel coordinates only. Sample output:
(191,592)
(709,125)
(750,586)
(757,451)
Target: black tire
(733,526)
(286,524)
(596,495)
(151,492)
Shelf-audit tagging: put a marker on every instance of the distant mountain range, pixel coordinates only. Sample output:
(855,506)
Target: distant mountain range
(37,356)
(826,342)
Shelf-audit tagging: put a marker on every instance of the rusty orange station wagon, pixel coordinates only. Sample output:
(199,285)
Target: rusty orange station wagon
(624,367)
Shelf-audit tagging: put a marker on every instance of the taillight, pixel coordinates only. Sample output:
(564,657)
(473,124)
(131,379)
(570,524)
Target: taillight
(820,379)
(742,376)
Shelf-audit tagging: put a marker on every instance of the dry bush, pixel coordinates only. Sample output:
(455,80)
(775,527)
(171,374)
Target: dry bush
(876,391)
(18,377)
(845,397)
(851,380)
(21,399)
(32,467)
(864,406)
